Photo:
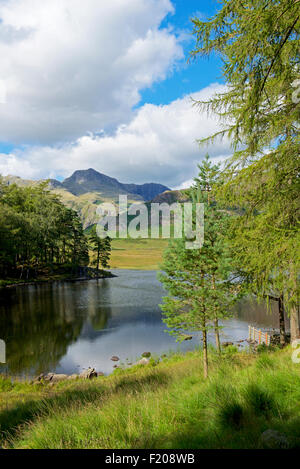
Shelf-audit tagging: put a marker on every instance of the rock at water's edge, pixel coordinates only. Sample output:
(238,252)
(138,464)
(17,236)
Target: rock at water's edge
(143,361)
(90,373)
(115,359)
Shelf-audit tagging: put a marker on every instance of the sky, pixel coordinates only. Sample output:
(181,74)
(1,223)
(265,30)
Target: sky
(105,85)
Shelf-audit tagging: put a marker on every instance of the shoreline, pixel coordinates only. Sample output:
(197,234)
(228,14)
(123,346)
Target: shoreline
(144,359)
(104,274)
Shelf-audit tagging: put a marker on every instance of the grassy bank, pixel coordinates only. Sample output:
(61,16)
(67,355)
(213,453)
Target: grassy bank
(140,254)
(165,405)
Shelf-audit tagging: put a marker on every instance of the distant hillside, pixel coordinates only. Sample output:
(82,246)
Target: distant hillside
(147,191)
(171,197)
(85,190)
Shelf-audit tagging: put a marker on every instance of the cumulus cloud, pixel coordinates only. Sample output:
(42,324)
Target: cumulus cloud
(158,144)
(69,66)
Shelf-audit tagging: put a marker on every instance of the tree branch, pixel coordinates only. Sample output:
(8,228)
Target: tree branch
(278,51)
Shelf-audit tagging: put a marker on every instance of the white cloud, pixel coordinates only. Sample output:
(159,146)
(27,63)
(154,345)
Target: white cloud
(159,145)
(70,66)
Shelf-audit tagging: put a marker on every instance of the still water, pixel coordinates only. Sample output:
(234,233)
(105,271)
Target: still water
(66,327)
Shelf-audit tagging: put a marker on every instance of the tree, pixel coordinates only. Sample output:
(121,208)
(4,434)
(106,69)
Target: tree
(198,279)
(259,44)
(37,230)
(101,247)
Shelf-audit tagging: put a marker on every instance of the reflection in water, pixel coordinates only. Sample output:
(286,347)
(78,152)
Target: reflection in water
(65,327)
(257,314)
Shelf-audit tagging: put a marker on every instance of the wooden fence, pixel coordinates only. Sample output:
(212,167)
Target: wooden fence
(258,336)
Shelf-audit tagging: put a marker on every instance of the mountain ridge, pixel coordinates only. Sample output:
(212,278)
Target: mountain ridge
(84,190)
(89,180)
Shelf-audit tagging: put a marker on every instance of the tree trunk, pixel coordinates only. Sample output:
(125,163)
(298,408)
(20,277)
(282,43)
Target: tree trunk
(281,321)
(294,317)
(205,357)
(216,322)
(217,335)
(98,258)
(294,310)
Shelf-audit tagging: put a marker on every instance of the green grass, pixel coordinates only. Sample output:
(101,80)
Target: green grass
(165,405)
(140,254)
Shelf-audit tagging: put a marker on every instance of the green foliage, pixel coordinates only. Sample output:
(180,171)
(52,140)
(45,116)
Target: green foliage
(36,230)
(231,349)
(168,406)
(260,401)
(5,384)
(101,247)
(259,44)
(262,348)
(231,414)
(198,279)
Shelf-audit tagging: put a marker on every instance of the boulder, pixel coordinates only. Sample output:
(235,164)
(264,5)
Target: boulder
(227,344)
(272,439)
(90,373)
(143,361)
(115,359)
(58,378)
(38,379)
(52,378)
(73,377)
(48,377)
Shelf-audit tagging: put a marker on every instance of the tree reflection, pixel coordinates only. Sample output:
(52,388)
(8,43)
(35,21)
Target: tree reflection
(39,323)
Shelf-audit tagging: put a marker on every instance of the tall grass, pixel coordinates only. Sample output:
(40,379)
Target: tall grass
(169,406)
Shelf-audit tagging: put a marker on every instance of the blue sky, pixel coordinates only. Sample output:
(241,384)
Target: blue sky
(187,78)
(112,94)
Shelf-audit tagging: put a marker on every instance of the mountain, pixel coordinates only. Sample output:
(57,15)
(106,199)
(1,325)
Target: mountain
(85,190)
(83,182)
(147,191)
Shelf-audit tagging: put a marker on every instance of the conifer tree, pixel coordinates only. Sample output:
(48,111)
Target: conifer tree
(101,247)
(200,293)
(259,43)
(37,230)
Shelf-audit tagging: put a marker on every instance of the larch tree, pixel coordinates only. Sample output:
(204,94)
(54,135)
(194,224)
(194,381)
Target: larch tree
(258,41)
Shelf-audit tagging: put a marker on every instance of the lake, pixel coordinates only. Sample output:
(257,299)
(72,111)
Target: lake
(65,327)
